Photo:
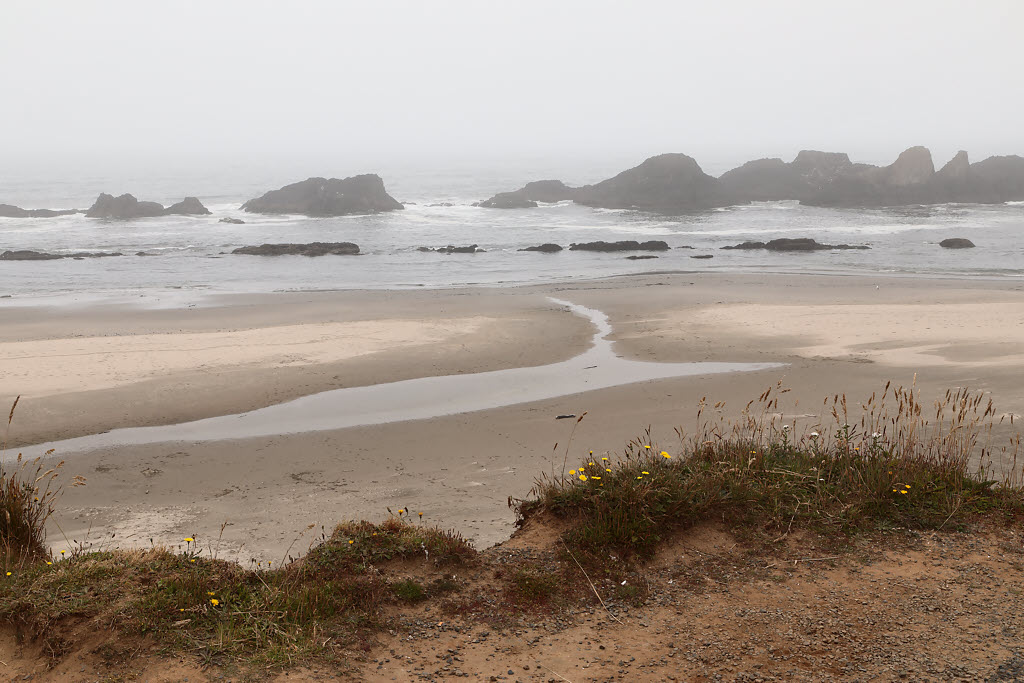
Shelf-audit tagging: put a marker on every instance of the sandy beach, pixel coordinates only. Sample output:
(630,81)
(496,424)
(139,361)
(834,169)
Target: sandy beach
(90,369)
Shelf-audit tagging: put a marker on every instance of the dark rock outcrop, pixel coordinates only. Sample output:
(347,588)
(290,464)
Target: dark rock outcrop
(793,244)
(189,206)
(527,196)
(640,257)
(29,255)
(127,207)
(545,248)
(361,194)
(667,183)
(703,256)
(8,211)
(124,207)
(232,221)
(311,249)
(508,200)
(624,245)
(957,243)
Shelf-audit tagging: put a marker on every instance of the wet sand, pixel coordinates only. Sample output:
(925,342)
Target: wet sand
(836,334)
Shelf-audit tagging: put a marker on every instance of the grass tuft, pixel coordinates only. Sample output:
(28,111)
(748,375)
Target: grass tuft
(894,469)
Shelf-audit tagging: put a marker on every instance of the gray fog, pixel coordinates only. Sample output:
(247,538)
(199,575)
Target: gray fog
(176,85)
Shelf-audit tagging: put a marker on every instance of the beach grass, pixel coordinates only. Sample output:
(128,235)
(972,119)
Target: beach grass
(901,465)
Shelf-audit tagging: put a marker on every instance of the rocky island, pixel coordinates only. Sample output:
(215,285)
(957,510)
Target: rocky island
(361,194)
(127,207)
(675,183)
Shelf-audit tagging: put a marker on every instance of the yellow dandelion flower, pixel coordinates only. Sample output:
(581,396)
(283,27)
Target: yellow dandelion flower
(646,446)
(210,593)
(48,562)
(401,511)
(351,542)
(420,514)
(583,477)
(906,486)
(573,472)
(903,492)
(181,609)
(595,477)
(214,601)
(590,463)
(374,533)
(665,455)
(639,477)
(62,552)
(894,490)
(191,560)
(607,470)
(645,472)
(8,573)
(605,459)
(189,539)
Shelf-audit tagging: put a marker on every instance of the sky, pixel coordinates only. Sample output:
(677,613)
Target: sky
(111,82)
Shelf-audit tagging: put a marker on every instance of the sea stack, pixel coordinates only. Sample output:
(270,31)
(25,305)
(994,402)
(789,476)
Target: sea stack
(361,194)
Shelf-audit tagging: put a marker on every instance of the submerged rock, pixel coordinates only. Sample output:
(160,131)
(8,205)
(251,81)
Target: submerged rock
(361,194)
(311,249)
(232,221)
(624,245)
(957,243)
(29,255)
(702,256)
(547,248)
(640,257)
(451,249)
(793,244)
(9,211)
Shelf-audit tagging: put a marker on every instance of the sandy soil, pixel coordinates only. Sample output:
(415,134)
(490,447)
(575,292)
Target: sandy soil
(837,334)
(938,607)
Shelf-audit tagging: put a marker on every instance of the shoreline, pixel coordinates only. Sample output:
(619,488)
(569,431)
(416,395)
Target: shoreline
(460,469)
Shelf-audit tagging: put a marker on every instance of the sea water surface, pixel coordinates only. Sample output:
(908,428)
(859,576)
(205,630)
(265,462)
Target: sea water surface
(190,255)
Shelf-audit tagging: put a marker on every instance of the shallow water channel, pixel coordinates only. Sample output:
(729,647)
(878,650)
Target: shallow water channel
(414,399)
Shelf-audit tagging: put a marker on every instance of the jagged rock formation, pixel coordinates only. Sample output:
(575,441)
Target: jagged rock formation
(127,207)
(311,249)
(957,243)
(9,211)
(29,255)
(527,196)
(624,245)
(232,221)
(547,248)
(793,244)
(361,194)
(675,183)
(831,179)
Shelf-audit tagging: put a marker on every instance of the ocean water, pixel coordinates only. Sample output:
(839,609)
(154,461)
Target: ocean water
(192,256)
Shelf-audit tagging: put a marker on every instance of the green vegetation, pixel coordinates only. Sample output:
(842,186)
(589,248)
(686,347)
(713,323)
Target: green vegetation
(894,469)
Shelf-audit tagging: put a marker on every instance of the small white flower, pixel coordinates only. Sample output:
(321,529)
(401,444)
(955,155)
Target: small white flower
(785,428)
(875,435)
(814,435)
